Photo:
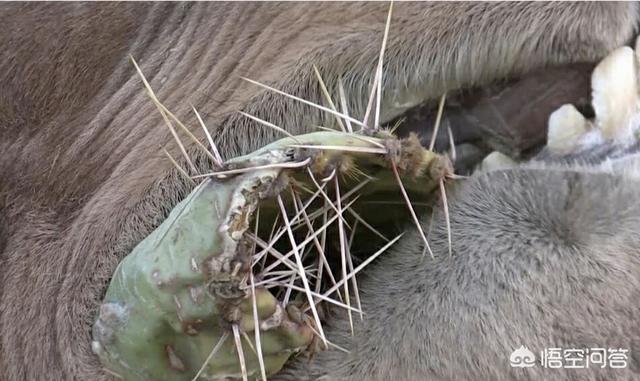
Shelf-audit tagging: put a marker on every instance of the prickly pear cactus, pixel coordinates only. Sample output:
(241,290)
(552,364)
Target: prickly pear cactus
(181,305)
(158,316)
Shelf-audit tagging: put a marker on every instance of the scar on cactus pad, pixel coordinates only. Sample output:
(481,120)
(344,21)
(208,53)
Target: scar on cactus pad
(241,274)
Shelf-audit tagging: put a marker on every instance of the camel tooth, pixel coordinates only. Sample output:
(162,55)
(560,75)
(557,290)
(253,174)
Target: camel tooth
(496,160)
(566,127)
(615,94)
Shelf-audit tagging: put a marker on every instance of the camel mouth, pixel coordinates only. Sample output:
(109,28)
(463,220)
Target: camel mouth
(198,275)
(509,116)
(282,218)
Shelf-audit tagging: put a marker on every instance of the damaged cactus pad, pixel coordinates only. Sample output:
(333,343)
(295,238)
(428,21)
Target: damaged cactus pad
(236,280)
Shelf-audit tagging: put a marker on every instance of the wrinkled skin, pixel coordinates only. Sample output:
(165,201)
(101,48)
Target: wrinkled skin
(83,179)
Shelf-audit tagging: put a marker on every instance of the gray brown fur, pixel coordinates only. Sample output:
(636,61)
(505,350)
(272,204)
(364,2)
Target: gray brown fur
(544,255)
(82,178)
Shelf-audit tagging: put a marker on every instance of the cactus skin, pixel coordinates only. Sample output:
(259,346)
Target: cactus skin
(173,297)
(161,317)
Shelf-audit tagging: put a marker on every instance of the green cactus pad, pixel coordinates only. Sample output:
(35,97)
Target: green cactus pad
(179,291)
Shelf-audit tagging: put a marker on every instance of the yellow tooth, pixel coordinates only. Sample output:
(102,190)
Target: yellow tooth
(615,94)
(496,160)
(566,126)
